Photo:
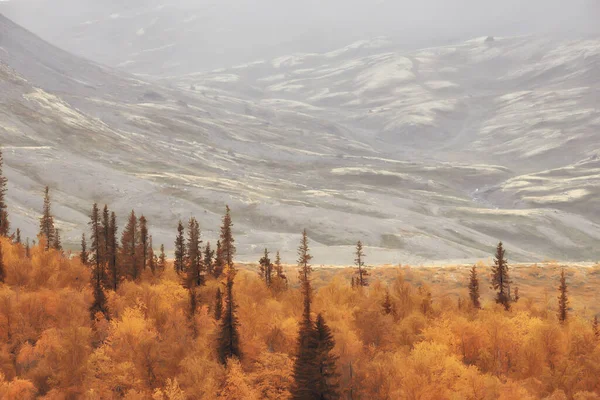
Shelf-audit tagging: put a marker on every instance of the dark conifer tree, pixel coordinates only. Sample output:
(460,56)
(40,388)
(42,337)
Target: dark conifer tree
(99,304)
(84,256)
(563,300)
(194,267)
(219,265)
(179,262)
(279,267)
(228,339)
(387,304)
(143,226)
(162,259)
(152,259)
(305,366)
(130,248)
(96,245)
(113,248)
(227,241)
(208,259)
(500,278)
(18,236)
(4,224)
(353,283)
(218,305)
(596,327)
(27,249)
(474,288)
(266,268)
(47,230)
(57,245)
(516,296)
(359,261)
(327,382)
(105,237)
(2,268)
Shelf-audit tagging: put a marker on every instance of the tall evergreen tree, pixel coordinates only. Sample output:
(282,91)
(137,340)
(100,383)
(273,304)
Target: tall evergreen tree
(2,268)
(162,259)
(152,259)
(195,267)
(218,305)
(208,259)
(219,264)
(144,238)
(113,248)
(130,248)
(105,237)
(18,236)
(500,278)
(305,365)
(4,224)
(27,249)
(179,262)
(563,300)
(279,267)
(474,288)
(227,241)
(327,379)
(359,261)
(99,304)
(266,268)
(57,245)
(47,230)
(96,245)
(84,256)
(229,339)
(516,297)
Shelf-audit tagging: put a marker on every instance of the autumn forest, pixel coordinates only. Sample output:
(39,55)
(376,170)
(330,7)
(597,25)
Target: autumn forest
(117,319)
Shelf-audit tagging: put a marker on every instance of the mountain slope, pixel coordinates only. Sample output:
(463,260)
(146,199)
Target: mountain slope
(188,146)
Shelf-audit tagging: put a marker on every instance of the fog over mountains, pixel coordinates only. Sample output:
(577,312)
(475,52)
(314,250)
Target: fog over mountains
(426,154)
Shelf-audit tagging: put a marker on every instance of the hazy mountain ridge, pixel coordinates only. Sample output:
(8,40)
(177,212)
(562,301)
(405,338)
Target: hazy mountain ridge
(283,162)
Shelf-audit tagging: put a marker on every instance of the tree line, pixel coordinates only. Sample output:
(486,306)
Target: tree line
(113,262)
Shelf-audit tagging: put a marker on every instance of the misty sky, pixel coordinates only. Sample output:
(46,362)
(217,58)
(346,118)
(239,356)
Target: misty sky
(231,31)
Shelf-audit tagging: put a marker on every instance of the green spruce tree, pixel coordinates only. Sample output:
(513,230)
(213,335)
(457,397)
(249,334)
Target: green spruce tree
(266,268)
(563,300)
(4,224)
(327,383)
(130,248)
(162,259)
(194,261)
(47,230)
(228,338)
(218,305)
(500,278)
(219,264)
(84,256)
(359,261)
(305,366)
(227,241)
(474,288)
(208,259)
(113,249)
(179,263)
(99,304)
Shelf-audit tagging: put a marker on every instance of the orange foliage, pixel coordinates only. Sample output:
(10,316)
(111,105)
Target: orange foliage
(428,347)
